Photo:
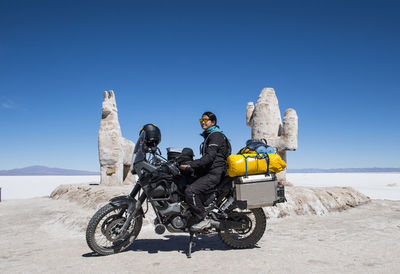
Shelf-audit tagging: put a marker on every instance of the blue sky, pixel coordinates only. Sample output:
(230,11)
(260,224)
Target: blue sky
(335,62)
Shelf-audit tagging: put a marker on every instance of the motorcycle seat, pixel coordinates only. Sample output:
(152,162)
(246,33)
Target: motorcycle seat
(226,182)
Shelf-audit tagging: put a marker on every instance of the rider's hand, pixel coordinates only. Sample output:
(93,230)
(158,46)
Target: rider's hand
(183,167)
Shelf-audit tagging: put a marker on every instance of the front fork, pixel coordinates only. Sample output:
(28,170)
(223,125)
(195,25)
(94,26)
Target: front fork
(135,190)
(133,207)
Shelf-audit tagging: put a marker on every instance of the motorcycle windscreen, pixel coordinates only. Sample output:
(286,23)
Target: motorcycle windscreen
(138,153)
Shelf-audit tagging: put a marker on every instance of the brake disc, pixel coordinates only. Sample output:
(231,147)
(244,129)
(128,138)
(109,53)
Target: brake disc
(108,221)
(113,230)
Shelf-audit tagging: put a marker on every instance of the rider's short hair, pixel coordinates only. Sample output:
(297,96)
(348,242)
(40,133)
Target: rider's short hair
(211,116)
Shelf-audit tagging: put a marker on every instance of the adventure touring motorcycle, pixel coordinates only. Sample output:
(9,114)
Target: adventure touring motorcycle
(234,206)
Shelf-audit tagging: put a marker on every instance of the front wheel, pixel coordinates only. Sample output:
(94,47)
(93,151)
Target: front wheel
(255,223)
(103,235)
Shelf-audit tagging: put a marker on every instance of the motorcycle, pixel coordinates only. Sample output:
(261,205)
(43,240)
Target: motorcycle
(115,226)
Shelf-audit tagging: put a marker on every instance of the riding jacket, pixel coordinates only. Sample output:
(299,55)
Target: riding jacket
(215,149)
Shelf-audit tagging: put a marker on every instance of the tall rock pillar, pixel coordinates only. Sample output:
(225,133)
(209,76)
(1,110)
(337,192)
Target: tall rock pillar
(265,121)
(115,152)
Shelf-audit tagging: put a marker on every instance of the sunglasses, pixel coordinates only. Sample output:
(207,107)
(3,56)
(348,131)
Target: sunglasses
(202,120)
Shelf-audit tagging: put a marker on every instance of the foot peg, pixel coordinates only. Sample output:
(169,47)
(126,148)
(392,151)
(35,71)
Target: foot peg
(206,223)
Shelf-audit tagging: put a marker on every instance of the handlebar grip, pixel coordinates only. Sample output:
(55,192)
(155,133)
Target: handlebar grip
(189,170)
(173,169)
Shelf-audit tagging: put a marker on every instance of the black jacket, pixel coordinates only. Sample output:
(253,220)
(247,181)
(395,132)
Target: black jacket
(215,149)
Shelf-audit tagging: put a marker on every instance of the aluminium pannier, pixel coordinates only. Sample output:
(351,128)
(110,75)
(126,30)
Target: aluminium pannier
(257,190)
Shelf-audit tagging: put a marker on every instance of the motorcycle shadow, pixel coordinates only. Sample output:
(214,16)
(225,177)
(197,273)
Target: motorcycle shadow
(178,243)
(170,243)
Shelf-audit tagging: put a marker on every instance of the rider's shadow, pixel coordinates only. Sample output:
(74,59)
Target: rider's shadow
(177,243)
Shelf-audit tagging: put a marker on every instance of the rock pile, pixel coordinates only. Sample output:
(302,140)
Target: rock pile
(316,201)
(301,201)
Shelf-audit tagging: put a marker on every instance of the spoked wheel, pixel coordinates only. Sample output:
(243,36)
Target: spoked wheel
(253,226)
(103,234)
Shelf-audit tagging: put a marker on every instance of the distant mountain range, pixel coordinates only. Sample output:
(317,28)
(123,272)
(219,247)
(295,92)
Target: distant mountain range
(43,170)
(342,170)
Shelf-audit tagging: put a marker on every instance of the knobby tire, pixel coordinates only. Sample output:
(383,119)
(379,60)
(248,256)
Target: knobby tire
(97,222)
(232,238)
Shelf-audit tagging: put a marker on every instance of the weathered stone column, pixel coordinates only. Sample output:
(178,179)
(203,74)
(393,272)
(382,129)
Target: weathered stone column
(265,121)
(115,152)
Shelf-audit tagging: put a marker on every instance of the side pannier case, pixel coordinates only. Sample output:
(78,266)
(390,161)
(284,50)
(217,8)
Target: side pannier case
(259,190)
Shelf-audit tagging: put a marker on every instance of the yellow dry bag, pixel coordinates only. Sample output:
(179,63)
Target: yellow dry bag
(250,164)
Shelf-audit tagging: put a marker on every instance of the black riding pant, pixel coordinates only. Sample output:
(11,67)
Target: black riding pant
(194,192)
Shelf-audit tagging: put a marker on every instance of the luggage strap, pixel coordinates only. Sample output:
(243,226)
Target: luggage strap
(257,156)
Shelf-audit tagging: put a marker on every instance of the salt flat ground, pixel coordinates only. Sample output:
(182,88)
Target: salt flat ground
(374,185)
(360,240)
(22,187)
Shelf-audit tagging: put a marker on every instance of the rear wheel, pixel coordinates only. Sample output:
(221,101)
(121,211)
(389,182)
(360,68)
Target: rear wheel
(103,232)
(254,224)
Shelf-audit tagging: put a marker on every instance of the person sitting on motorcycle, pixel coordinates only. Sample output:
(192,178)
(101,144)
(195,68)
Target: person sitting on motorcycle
(209,169)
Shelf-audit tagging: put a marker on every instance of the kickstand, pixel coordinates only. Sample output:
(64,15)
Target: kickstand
(189,254)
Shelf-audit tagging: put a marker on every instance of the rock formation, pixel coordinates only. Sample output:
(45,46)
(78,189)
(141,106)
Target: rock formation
(316,201)
(301,201)
(115,152)
(265,121)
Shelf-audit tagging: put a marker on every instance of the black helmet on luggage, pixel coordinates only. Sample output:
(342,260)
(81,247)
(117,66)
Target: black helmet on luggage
(153,135)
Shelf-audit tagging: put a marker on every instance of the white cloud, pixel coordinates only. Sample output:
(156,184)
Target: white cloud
(7,104)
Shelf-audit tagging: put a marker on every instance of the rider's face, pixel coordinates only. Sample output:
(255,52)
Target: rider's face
(205,122)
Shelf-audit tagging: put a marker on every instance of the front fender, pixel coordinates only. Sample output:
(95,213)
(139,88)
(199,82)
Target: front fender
(125,200)
(122,200)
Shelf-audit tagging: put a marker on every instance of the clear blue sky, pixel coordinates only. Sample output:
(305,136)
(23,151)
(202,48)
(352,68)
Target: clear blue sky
(335,62)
